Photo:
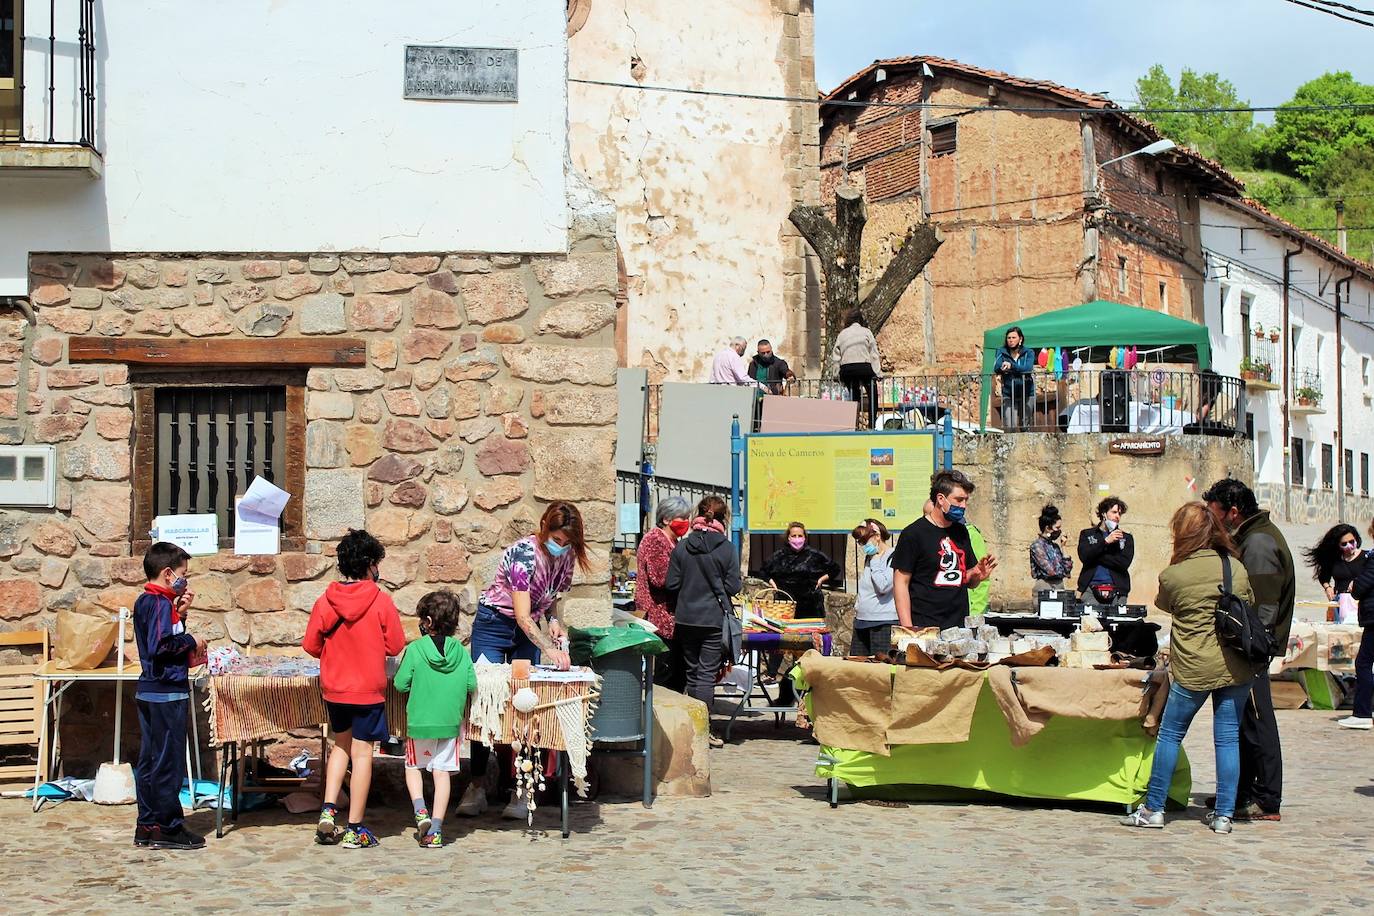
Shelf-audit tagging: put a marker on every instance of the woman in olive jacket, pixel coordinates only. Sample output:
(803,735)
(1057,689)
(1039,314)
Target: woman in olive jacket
(1200,667)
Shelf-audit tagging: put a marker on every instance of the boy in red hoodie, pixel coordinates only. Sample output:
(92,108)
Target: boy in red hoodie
(353,627)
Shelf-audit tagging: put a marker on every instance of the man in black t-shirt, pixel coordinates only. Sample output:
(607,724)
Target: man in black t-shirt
(934,563)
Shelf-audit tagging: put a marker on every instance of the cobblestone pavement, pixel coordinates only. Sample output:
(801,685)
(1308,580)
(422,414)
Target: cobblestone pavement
(764,842)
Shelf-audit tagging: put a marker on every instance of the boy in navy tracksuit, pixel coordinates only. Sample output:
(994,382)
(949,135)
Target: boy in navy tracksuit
(164,698)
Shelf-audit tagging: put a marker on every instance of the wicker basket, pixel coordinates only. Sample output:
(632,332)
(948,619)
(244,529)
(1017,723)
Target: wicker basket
(764,603)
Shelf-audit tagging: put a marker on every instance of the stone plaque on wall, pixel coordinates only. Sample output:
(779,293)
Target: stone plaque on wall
(461,74)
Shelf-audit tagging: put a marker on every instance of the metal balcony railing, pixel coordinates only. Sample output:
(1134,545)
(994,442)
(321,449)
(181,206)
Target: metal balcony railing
(55,51)
(1141,400)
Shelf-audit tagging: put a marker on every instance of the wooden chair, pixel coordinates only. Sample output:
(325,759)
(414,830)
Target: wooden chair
(21,708)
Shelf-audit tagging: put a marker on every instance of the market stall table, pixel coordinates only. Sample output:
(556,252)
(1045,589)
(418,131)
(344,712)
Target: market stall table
(246,708)
(1086,417)
(1318,650)
(1068,758)
(755,644)
(57,681)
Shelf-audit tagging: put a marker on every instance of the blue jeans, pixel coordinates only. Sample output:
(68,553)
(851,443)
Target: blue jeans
(1364,675)
(497,638)
(1227,705)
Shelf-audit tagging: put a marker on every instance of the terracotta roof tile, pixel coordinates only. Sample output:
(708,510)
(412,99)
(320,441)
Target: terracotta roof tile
(1074,98)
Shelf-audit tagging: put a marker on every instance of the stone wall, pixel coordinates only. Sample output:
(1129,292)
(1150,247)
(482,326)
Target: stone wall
(1016,475)
(488,391)
(702,187)
(1305,506)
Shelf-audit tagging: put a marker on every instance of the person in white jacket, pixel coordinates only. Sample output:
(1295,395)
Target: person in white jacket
(856,353)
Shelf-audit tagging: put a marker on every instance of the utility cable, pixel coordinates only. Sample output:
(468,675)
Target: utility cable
(964,110)
(1330,12)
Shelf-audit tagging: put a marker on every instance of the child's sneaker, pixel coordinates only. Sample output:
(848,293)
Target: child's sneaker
(422,822)
(327,833)
(431,840)
(359,838)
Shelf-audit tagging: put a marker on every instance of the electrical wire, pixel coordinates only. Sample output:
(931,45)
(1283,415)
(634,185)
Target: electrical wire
(965,110)
(1321,9)
(1345,6)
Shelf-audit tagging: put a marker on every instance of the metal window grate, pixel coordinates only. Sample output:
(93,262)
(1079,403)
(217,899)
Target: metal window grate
(211,442)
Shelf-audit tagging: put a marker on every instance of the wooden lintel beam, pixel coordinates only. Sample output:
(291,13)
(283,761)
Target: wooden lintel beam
(267,353)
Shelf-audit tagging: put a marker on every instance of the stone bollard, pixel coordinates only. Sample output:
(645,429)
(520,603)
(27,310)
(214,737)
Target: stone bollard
(682,762)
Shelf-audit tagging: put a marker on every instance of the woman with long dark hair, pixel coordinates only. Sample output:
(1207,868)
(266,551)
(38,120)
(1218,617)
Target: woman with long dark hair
(1200,666)
(1362,716)
(1336,560)
(1014,364)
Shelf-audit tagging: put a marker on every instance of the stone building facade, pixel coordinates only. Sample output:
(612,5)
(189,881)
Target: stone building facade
(1031,220)
(452,397)
(702,184)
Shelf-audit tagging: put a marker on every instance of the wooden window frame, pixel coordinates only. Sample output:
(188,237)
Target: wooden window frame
(186,362)
(952,126)
(145,450)
(11,87)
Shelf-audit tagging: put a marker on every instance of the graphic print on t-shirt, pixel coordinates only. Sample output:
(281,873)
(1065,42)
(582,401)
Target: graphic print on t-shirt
(950,565)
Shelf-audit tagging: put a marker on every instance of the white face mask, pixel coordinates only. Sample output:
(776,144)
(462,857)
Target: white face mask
(1111,525)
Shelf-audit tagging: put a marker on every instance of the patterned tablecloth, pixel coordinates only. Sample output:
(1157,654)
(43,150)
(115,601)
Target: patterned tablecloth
(245,707)
(252,707)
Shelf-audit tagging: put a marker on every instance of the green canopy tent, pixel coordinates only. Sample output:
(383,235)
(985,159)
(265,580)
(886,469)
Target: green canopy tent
(1096,327)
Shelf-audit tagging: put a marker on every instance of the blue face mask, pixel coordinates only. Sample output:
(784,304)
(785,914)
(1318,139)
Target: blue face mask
(554,548)
(179,585)
(955,514)
(870,549)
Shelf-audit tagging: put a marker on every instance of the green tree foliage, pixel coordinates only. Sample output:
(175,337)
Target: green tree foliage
(1306,143)
(1226,136)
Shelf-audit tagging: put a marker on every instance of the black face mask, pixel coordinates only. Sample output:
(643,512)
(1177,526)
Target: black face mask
(764,360)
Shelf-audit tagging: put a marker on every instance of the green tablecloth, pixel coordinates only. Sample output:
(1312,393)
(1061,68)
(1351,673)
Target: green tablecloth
(1071,759)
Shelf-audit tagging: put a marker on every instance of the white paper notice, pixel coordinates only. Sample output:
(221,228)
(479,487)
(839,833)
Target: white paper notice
(198,535)
(255,533)
(265,498)
(629,518)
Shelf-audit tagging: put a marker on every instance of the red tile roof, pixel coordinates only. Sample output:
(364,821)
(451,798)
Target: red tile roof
(1209,170)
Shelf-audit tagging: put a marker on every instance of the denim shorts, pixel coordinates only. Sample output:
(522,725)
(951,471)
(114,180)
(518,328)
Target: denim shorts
(368,723)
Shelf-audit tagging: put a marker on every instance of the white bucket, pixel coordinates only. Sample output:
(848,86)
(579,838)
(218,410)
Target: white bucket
(114,784)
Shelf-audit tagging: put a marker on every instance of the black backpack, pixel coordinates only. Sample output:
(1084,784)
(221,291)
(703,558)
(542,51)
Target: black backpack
(1238,625)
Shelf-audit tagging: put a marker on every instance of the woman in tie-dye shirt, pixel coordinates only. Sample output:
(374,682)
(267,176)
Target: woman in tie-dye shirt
(533,573)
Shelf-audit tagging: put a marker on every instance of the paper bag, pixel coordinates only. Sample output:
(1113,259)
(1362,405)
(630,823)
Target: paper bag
(85,635)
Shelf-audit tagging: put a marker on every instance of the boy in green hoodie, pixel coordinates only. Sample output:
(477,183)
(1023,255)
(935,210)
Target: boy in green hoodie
(437,673)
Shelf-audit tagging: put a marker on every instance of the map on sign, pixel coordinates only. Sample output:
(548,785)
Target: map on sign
(833,481)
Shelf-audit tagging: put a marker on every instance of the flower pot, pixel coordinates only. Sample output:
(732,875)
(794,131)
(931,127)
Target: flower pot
(1273,338)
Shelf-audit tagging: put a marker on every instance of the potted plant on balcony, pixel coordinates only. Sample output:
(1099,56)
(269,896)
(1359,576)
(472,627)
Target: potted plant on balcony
(1307,396)
(1255,370)
(1274,335)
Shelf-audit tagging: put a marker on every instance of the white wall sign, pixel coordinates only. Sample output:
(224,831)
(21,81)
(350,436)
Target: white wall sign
(198,535)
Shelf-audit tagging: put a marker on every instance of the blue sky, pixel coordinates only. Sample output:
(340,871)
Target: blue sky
(1267,48)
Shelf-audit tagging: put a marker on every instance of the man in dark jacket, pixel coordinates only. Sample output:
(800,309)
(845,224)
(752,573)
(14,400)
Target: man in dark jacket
(770,370)
(704,574)
(1269,564)
(1106,553)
